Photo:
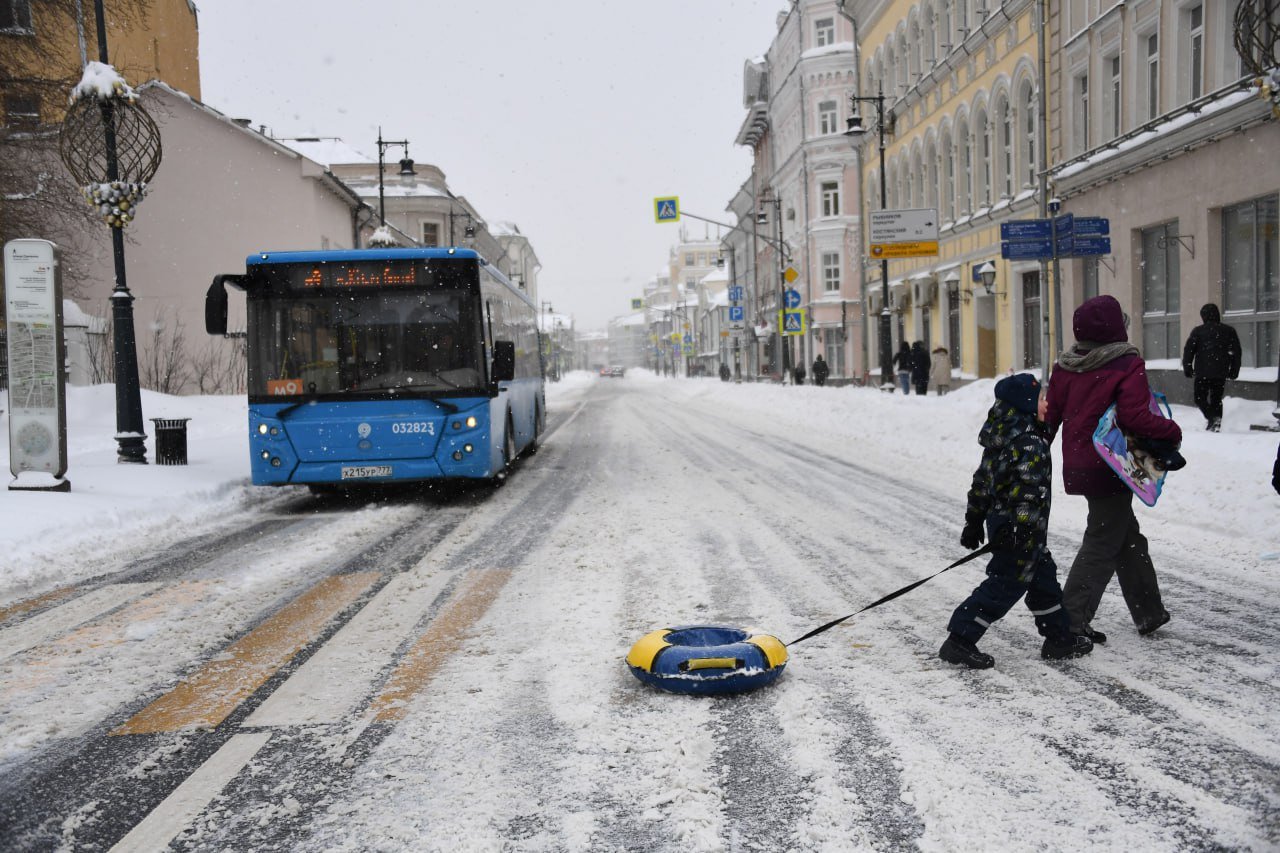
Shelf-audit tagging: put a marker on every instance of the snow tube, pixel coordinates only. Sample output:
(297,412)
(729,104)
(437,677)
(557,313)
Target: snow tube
(707,659)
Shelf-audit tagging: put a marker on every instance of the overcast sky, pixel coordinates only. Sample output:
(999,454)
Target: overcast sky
(565,117)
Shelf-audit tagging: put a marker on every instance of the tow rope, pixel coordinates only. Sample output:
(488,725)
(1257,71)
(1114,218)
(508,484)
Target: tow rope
(985,549)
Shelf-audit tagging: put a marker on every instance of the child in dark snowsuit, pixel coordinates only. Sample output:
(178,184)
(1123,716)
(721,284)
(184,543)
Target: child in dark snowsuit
(1010,494)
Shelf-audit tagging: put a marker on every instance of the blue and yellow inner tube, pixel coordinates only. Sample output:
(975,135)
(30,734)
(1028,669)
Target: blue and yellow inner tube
(707,659)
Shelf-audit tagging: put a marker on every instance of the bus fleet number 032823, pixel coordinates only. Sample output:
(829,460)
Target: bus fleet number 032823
(403,427)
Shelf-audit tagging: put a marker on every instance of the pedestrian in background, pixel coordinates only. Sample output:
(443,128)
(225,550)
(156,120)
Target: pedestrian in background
(798,374)
(820,371)
(902,363)
(1104,368)
(1275,473)
(920,368)
(940,370)
(1211,356)
(1010,498)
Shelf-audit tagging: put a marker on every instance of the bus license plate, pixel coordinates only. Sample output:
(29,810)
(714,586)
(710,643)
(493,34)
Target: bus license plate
(361,472)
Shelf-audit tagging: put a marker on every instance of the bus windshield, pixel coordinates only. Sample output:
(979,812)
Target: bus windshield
(368,342)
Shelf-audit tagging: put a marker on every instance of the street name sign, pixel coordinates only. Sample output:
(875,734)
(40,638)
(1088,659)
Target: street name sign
(1092,226)
(37,393)
(917,249)
(666,209)
(1089,246)
(1026,229)
(1027,250)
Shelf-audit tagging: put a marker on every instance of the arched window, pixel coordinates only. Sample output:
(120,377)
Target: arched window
(916,67)
(908,184)
(917,180)
(1004,123)
(982,181)
(1029,132)
(904,76)
(931,177)
(948,178)
(945,40)
(929,39)
(964,169)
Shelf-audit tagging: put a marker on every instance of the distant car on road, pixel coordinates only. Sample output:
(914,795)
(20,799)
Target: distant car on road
(615,370)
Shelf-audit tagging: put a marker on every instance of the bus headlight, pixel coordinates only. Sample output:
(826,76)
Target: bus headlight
(468,448)
(266,454)
(471,421)
(262,429)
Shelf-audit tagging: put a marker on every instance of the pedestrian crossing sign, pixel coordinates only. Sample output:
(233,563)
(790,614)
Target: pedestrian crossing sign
(792,322)
(637,304)
(666,209)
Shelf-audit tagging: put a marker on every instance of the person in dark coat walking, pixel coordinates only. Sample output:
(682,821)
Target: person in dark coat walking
(1104,368)
(1212,356)
(820,371)
(920,363)
(725,373)
(1010,496)
(902,364)
(798,374)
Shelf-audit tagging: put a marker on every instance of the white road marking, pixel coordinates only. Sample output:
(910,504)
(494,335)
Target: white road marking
(63,618)
(166,820)
(340,676)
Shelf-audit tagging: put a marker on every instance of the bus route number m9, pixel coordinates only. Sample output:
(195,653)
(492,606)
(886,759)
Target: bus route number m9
(376,365)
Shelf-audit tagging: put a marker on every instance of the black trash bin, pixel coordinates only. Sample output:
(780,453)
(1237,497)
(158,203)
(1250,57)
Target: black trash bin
(171,440)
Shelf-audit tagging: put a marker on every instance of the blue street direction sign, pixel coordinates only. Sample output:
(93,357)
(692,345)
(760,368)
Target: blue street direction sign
(1092,226)
(1064,246)
(1092,246)
(736,313)
(1063,225)
(735,293)
(1027,250)
(792,298)
(1026,229)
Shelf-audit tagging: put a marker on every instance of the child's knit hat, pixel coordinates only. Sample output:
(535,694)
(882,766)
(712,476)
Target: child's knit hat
(1022,391)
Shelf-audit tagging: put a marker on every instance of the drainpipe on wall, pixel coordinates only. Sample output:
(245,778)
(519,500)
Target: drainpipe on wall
(857,152)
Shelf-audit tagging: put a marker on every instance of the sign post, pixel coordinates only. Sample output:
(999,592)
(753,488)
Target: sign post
(37,391)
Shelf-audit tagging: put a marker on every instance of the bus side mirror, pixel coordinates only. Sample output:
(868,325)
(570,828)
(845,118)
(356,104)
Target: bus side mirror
(215,308)
(215,302)
(504,361)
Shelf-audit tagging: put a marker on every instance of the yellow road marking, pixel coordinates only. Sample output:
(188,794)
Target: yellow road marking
(206,698)
(21,607)
(442,638)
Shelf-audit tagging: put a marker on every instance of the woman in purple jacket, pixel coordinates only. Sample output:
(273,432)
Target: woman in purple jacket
(1101,369)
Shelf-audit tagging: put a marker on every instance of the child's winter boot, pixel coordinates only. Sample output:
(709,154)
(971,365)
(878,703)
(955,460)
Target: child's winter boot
(1070,646)
(959,650)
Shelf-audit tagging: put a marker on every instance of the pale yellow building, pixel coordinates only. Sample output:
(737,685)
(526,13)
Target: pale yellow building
(960,84)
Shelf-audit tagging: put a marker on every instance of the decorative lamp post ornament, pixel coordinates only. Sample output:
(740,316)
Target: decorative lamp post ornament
(101,99)
(111,147)
(1258,44)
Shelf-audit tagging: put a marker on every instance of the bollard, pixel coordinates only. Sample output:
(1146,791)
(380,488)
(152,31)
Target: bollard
(171,440)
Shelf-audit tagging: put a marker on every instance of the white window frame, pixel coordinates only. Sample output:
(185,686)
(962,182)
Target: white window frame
(830,194)
(1195,51)
(1152,81)
(824,32)
(831,272)
(828,117)
(434,228)
(1008,169)
(1080,111)
(1115,96)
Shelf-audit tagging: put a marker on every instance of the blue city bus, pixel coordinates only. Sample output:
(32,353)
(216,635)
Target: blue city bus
(385,365)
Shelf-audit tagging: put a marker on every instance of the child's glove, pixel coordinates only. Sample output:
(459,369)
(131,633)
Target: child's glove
(1188,372)
(973,534)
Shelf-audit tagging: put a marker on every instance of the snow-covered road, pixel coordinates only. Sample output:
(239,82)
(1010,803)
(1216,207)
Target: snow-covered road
(445,672)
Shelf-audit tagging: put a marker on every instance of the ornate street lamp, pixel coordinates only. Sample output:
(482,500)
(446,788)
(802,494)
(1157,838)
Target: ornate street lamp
(111,147)
(854,132)
(406,170)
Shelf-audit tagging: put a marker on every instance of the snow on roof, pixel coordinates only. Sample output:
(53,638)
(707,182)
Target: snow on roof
(74,315)
(636,319)
(326,150)
(716,276)
(845,47)
(718,299)
(505,229)
(101,81)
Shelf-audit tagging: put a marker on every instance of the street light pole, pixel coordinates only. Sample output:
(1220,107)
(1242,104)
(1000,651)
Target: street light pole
(784,345)
(855,131)
(406,168)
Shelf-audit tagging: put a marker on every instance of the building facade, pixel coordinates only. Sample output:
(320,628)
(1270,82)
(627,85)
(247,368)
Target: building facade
(1159,130)
(800,205)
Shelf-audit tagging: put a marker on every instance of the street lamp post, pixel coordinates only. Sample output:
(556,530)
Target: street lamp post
(406,168)
(784,345)
(855,132)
